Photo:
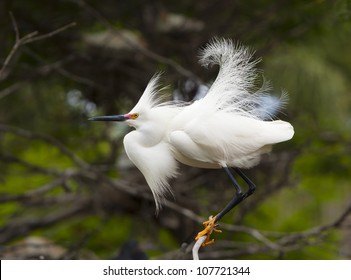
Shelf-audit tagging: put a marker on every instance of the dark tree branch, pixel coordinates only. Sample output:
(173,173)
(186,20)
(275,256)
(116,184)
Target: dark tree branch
(22,227)
(45,138)
(38,191)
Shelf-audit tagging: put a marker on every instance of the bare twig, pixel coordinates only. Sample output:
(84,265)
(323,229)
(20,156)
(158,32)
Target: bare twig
(44,70)
(15,26)
(197,247)
(58,66)
(26,39)
(50,34)
(12,88)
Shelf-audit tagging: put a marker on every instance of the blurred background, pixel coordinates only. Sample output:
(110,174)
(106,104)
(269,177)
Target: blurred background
(67,190)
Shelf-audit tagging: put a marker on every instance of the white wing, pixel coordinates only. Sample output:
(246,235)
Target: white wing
(217,140)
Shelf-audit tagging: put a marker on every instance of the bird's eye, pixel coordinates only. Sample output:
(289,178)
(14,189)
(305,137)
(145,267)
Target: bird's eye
(135,116)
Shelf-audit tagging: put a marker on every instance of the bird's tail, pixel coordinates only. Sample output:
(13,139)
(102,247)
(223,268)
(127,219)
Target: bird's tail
(277,131)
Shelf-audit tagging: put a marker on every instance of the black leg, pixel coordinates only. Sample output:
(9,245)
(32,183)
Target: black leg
(239,196)
(252,186)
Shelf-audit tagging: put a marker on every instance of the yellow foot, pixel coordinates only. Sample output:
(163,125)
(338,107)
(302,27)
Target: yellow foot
(210,226)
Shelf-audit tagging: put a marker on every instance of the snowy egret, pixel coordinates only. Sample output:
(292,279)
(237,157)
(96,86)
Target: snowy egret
(230,127)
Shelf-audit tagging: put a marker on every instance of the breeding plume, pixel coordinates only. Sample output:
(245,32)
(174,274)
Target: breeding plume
(229,128)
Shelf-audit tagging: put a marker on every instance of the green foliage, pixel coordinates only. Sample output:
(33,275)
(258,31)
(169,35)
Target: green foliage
(318,89)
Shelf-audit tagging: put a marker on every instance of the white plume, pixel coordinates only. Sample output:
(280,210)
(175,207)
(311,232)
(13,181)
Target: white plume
(233,90)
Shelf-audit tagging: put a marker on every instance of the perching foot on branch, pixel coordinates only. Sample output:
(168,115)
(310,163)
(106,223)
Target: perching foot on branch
(210,226)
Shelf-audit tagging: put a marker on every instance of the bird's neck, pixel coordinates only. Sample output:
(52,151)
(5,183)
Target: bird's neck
(154,129)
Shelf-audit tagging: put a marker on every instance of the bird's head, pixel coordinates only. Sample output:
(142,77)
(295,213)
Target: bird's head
(144,112)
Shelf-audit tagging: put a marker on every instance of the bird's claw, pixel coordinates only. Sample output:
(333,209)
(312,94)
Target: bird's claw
(210,226)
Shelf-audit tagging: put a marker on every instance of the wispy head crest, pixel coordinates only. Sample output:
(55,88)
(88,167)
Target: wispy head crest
(151,97)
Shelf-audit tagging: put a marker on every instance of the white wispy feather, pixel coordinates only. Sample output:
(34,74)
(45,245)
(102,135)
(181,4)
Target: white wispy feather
(233,89)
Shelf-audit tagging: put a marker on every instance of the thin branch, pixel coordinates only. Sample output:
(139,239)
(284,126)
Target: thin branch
(316,231)
(26,39)
(20,228)
(9,158)
(13,50)
(15,26)
(338,222)
(46,138)
(40,190)
(197,247)
(12,88)
(58,66)
(44,70)
(50,34)
(148,53)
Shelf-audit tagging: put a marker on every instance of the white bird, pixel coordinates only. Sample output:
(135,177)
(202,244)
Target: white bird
(230,127)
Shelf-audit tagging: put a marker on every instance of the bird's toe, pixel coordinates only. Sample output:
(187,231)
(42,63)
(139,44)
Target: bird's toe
(210,226)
